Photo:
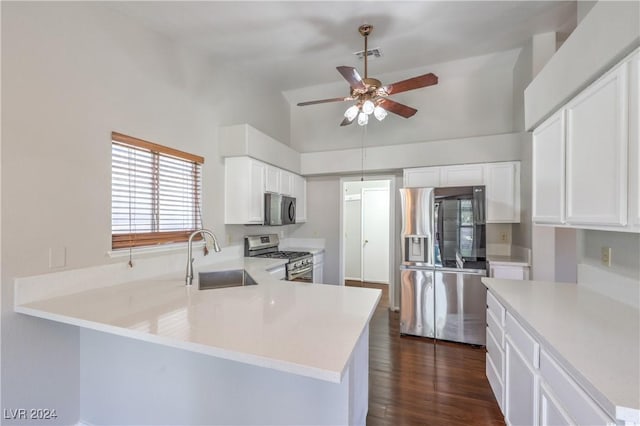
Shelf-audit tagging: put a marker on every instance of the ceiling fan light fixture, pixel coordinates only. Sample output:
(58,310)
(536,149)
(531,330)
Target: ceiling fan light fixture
(351,112)
(379,113)
(363,119)
(368,107)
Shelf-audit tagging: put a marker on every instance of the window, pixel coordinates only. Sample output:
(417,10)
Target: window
(155,193)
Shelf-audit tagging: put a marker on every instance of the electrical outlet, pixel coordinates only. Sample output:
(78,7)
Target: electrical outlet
(605,256)
(229,238)
(504,237)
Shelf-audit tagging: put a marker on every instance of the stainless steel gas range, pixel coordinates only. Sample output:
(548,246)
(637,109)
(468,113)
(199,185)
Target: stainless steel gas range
(300,265)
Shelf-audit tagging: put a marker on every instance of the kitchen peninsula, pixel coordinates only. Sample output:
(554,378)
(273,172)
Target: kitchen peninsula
(158,352)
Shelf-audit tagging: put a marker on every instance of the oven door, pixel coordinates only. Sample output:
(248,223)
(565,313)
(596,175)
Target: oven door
(304,275)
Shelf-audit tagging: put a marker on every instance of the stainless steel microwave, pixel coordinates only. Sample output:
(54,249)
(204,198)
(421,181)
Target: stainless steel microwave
(279,209)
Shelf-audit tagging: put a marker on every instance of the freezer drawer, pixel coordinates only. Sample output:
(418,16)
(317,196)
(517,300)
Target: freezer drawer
(460,307)
(416,302)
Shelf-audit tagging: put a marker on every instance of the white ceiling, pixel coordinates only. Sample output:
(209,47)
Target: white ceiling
(294,44)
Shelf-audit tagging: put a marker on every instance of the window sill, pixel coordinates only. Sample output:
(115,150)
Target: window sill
(157,249)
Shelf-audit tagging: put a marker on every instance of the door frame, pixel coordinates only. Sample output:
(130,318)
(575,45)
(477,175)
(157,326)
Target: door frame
(392,230)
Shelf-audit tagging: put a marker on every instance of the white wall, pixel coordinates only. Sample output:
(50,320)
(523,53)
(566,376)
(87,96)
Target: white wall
(473,97)
(72,73)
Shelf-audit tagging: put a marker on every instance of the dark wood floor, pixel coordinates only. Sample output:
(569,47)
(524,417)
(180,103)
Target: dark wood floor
(413,381)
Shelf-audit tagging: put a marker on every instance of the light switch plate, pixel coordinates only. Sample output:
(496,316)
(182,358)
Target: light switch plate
(605,256)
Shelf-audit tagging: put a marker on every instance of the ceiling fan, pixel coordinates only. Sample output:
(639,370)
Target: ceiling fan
(369,93)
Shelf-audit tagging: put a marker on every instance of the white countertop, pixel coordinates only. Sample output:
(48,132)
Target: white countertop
(305,329)
(595,338)
(508,260)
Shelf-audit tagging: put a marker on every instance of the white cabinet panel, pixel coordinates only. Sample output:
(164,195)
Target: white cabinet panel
(272,179)
(509,272)
(495,381)
(286,182)
(300,193)
(596,149)
(521,387)
(244,191)
(318,268)
(634,142)
(468,174)
(548,165)
(551,413)
(422,177)
(502,181)
(573,400)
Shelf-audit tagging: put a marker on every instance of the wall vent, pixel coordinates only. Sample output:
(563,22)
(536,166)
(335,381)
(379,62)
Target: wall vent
(371,53)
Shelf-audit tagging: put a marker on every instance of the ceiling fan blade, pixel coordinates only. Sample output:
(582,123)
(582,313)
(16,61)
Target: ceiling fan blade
(397,108)
(351,75)
(411,83)
(324,101)
(346,122)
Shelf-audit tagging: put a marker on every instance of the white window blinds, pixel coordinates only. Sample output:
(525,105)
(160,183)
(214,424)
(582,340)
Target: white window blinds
(155,193)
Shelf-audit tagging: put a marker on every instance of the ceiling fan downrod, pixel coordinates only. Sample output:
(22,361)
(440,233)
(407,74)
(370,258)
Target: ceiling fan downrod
(365,30)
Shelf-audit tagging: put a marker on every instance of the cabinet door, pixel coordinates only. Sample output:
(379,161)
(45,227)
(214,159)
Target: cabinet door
(300,193)
(422,177)
(597,137)
(634,142)
(503,192)
(243,191)
(468,174)
(286,183)
(551,412)
(318,273)
(521,388)
(508,272)
(256,193)
(272,179)
(548,162)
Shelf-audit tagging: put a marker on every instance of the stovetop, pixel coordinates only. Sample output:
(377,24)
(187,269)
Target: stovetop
(284,254)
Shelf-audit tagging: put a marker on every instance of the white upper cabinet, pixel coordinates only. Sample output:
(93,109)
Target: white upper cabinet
(272,179)
(278,180)
(502,181)
(634,142)
(244,189)
(596,146)
(464,175)
(586,156)
(246,181)
(286,183)
(422,177)
(300,193)
(548,171)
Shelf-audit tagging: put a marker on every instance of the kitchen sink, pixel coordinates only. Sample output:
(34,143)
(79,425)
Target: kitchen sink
(223,279)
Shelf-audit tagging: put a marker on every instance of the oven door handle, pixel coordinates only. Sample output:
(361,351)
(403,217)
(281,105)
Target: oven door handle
(298,274)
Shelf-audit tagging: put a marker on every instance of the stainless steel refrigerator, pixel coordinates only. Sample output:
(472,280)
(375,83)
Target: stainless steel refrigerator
(443,244)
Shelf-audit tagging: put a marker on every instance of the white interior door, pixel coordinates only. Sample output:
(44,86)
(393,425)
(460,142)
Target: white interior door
(375,235)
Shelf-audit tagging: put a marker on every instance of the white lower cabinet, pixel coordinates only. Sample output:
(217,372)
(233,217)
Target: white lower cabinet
(318,268)
(509,272)
(532,388)
(551,412)
(279,272)
(521,385)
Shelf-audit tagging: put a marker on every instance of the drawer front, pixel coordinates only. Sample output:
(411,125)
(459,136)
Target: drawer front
(495,352)
(497,330)
(522,340)
(495,381)
(495,307)
(575,402)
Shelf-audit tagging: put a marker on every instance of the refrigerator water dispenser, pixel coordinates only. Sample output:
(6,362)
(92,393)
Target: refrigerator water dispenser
(416,249)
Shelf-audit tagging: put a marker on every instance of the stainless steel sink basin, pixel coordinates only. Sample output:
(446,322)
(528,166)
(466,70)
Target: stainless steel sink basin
(222,279)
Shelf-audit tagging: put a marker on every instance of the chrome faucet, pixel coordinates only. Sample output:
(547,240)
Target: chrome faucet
(189,278)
